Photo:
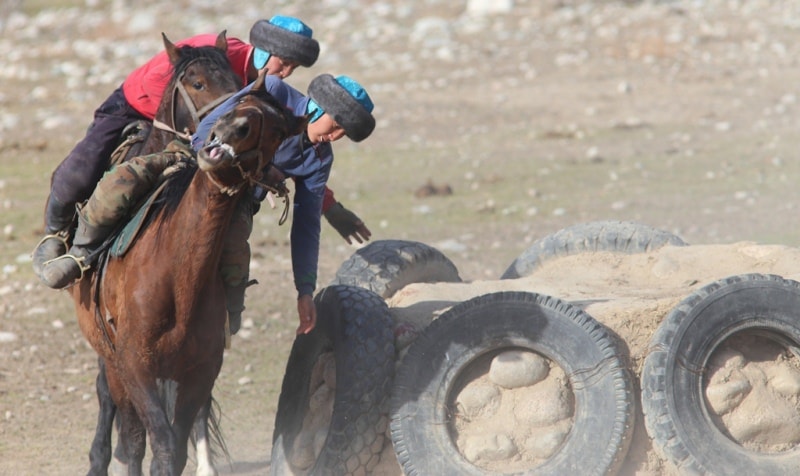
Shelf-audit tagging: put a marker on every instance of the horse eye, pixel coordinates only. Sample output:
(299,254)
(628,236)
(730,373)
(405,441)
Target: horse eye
(197,85)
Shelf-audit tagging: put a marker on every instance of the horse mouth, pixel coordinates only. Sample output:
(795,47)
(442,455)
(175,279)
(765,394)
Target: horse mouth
(215,153)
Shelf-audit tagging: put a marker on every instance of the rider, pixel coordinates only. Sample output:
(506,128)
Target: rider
(336,107)
(280,45)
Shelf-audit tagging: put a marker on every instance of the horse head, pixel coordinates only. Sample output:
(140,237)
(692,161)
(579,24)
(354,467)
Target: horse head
(202,79)
(243,141)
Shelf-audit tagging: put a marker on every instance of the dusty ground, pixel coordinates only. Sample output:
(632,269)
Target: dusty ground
(676,114)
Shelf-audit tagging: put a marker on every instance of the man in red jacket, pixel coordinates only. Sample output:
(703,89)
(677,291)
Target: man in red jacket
(280,45)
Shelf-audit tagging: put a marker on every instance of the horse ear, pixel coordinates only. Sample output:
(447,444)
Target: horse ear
(259,82)
(173,52)
(297,125)
(222,42)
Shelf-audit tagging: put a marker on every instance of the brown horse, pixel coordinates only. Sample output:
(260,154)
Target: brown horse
(202,78)
(161,306)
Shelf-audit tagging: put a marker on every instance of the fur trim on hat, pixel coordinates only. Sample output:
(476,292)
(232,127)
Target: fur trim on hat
(358,124)
(284,43)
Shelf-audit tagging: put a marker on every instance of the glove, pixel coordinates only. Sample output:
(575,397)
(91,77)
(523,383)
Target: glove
(347,224)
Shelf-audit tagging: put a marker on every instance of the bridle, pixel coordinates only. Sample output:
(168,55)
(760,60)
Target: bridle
(196,114)
(251,178)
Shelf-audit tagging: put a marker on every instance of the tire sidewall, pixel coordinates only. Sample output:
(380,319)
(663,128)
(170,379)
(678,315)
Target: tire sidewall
(673,389)
(514,321)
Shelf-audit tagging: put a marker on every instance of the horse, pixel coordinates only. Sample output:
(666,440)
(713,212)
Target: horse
(157,313)
(202,79)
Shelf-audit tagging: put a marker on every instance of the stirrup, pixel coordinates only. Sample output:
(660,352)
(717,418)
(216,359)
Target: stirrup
(60,235)
(79,260)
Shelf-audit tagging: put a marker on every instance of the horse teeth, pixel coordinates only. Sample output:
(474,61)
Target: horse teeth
(229,149)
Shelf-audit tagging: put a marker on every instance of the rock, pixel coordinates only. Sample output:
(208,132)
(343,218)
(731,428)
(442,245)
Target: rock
(478,399)
(515,369)
(726,396)
(488,448)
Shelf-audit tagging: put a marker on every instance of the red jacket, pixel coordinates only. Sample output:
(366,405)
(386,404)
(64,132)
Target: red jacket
(145,86)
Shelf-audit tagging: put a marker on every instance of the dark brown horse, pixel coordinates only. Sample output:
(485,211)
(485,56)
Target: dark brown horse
(162,305)
(202,78)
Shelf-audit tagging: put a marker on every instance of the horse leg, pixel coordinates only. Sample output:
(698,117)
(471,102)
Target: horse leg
(132,440)
(151,410)
(191,412)
(100,453)
(130,449)
(205,458)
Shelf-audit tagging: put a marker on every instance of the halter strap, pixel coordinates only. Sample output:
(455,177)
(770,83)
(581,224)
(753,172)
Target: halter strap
(196,114)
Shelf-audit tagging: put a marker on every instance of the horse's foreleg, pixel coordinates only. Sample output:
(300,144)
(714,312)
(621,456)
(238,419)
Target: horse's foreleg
(188,412)
(131,445)
(100,453)
(150,409)
(131,440)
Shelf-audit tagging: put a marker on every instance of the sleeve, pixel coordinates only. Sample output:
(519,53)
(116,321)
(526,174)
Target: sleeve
(305,237)
(305,234)
(328,200)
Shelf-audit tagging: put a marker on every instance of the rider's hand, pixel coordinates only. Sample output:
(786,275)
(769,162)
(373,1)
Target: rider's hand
(307,313)
(347,224)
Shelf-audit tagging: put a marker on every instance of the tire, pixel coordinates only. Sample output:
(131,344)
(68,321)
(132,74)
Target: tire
(428,375)
(356,326)
(386,266)
(619,236)
(673,402)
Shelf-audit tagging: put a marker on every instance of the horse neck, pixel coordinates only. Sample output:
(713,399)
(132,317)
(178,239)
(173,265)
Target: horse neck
(158,139)
(198,226)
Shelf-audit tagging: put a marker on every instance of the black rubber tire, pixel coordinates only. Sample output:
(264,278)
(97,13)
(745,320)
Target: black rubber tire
(386,266)
(673,401)
(354,324)
(590,356)
(619,236)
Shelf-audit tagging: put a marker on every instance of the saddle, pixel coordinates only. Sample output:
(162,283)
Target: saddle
(123,240)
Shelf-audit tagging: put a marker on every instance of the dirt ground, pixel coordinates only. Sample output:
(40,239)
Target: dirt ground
(677,114)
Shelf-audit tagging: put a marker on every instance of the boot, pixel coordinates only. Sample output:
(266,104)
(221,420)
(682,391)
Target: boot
(234,303)
(65,269)
(58,218)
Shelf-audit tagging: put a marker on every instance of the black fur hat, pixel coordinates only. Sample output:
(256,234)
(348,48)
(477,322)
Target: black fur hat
(286,37)
(347,102)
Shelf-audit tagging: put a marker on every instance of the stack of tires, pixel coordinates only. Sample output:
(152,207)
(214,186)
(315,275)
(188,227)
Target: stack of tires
(423,395)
